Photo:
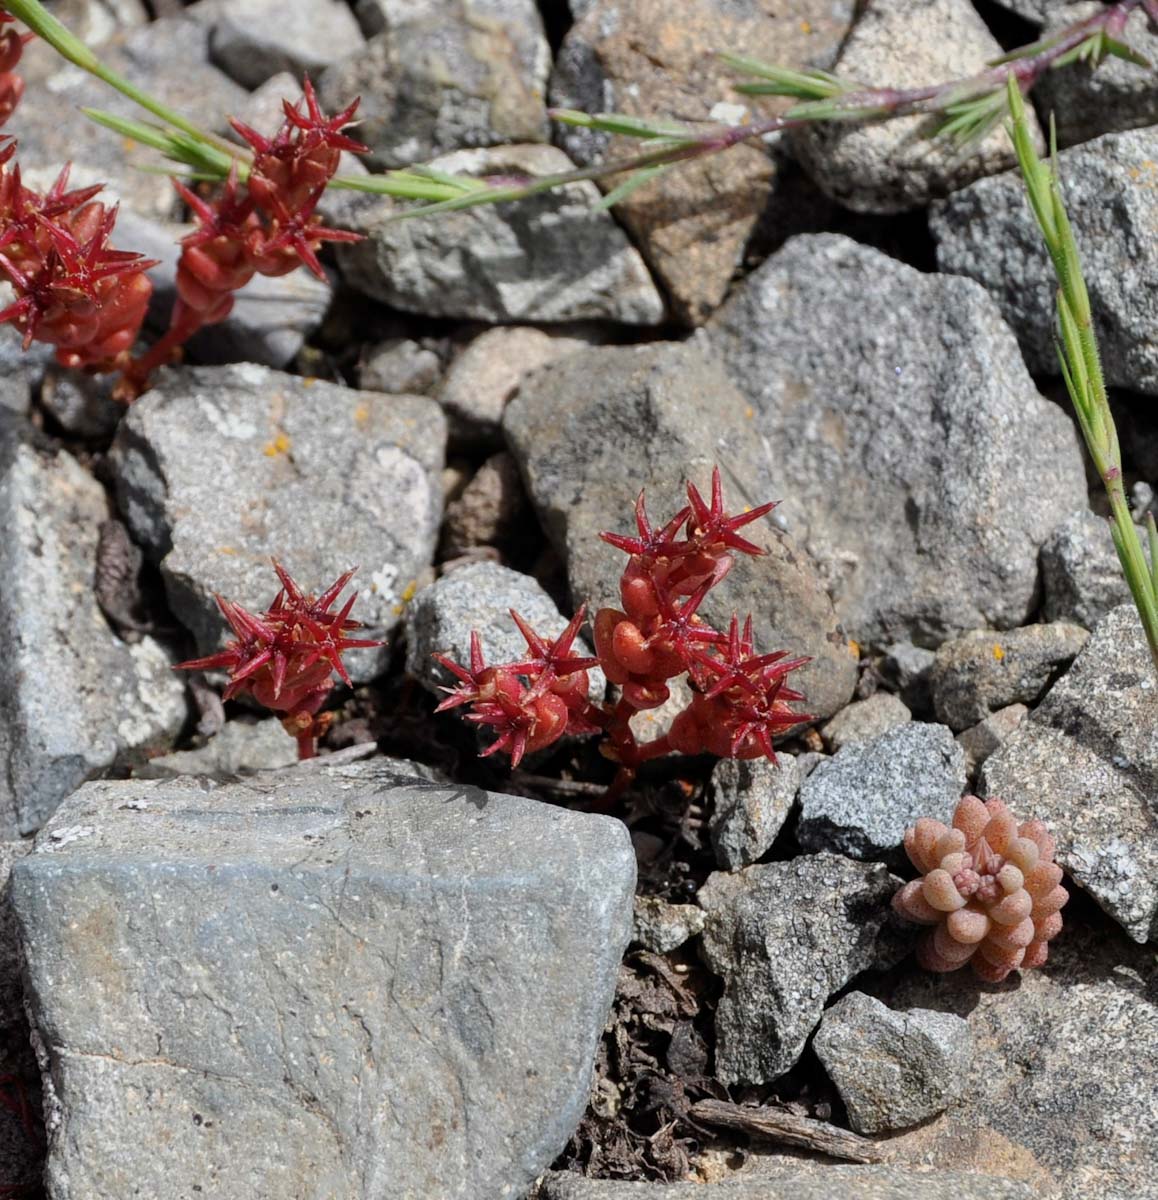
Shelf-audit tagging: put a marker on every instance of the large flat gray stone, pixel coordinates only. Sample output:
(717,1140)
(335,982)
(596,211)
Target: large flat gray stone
(327,983)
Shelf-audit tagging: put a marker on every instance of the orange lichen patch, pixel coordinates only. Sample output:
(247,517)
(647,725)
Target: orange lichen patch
(232,551)
(308,381)
(407,595)
(998,651)
(854,648)
(805,26)
(361,414)
(279,445)
(988,886)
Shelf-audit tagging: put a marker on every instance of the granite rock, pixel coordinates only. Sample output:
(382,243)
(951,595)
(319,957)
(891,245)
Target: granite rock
(490,508)
(1085,762)
(893,1069)
(336,982)
(980,671)
(1088,101)
(578,429)
(751,800)
(794,1183)
(878,390)
(238,748)
(909,669)
(359,488)
(986,232)
(986,737)
(648,58)
(479,597)
(400,365)
(892,166)
(785,936)
(861,801)
(443,75)
(74,698)
(865,719)
(1080,571)
(662,927)
(573,263)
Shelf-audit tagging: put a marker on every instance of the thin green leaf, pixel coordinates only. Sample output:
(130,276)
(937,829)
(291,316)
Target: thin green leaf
(632,184)
(623,125)
(781,81)
(1152,539)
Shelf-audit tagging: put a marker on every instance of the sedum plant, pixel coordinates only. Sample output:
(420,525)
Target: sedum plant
(740,699)
(989,889)
(287,656)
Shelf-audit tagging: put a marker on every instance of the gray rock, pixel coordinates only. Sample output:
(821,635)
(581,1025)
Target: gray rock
(574,263)
(1086,102)
(909,669)
(20,369)
(479,597)
(97,22)
(981,671)
(646,58)
(252,40)
(400,365)
(487,372)
(271,317)
(662,927)
(865,719)
(793,1183)
(751,800)
(861,801)
(893,1069)
(168,59)
(240,748)
(441,75)
(489,509)
(785,936)
(1037,11)
(82,405)
(1063,1091)
(1086,763)
(986,231)
(1080,571)
(891,166)
(577,428)
(985,738)
(340,982)
(360,488)
(878,389)
(74,698)
(21,1157)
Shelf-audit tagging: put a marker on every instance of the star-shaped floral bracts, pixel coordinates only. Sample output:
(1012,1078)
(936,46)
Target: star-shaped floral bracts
(287,656)
(740,699)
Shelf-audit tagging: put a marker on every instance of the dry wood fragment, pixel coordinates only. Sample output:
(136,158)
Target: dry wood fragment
(780,1125)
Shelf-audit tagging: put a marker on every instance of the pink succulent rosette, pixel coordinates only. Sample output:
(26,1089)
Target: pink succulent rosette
(989,888)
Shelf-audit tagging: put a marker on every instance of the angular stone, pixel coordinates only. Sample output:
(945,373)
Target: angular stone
(648,58)
(252,40)
(1080,571)
(360,488)
(893,1069)
(796,1183)
(574,263)
(785,936)
(880,388)
(239,748)
(168,59)
(661,927)
(1088,101)
(340,981)
(986,232)
(861,801)
(751,800)
(578,428)
(479,597)
(20,370)
(985,738)
(1063,1091)
(909,668)
(489,509)
(865,719)
(891,166)
(74,698)
(978,673)
(487,372)
(1085,762)
(441,75)
(400,365)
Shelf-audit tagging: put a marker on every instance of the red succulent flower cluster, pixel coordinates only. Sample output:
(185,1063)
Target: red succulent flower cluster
(740,699)
(264,226)
(287,656)
(11,48)
(73,289)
